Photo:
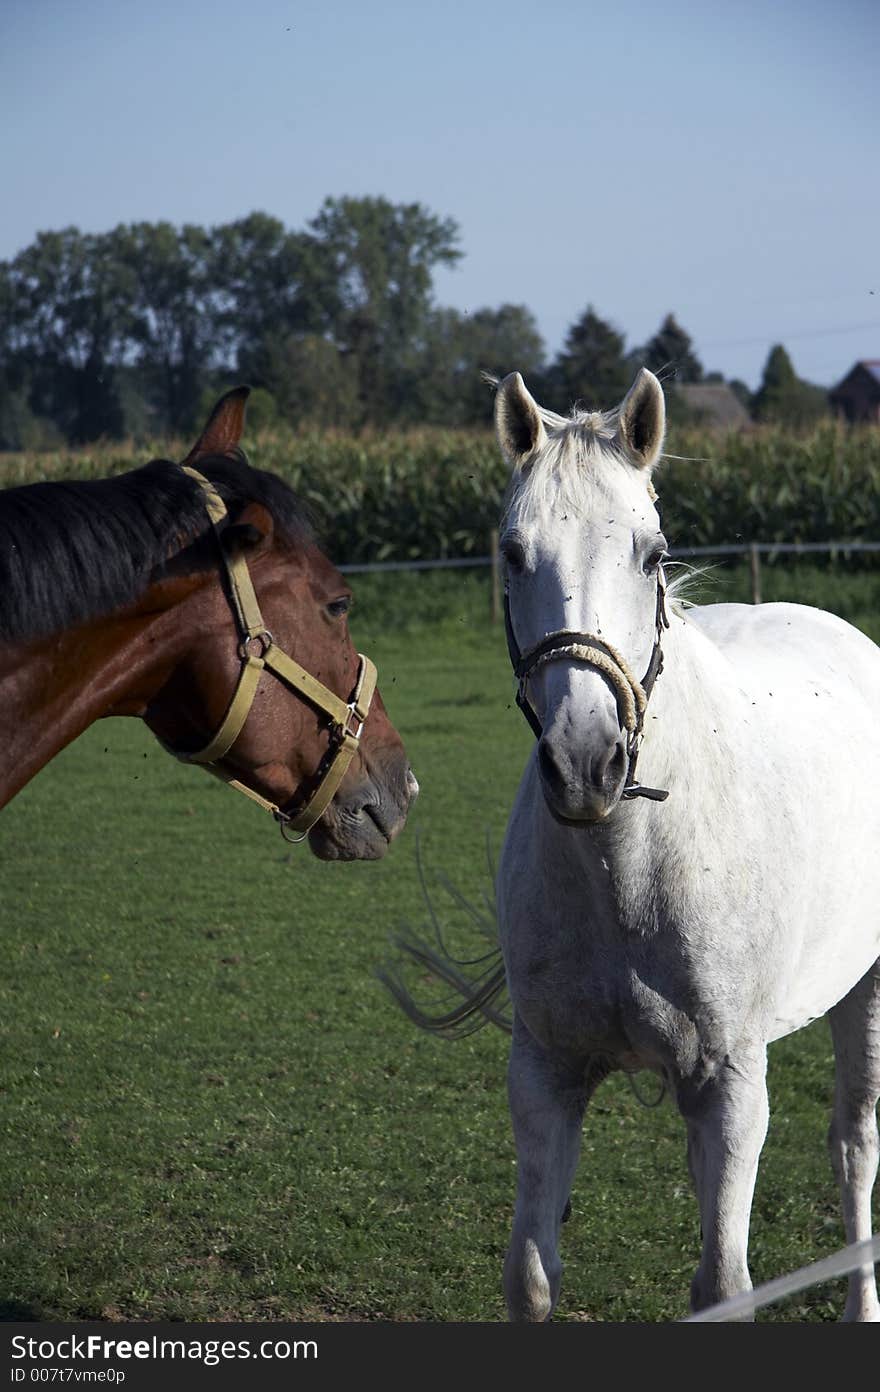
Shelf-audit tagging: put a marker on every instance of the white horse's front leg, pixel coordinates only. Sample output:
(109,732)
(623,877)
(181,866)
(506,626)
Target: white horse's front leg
(853,1138)
(726,1117)
(547,1099)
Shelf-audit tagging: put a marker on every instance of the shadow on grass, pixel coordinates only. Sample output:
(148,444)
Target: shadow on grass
(20,1311)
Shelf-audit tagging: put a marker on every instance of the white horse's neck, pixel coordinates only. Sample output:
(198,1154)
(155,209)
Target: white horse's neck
(696,705)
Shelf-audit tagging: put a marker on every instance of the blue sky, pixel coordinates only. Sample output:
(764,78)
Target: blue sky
(719,160)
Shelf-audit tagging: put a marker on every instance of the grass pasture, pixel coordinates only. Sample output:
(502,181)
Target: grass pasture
(210,1108)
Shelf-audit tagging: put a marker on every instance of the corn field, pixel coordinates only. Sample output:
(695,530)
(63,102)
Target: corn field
(411,495)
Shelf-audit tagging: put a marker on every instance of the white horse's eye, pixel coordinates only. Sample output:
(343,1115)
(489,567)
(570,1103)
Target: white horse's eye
(654,559)
(514,555)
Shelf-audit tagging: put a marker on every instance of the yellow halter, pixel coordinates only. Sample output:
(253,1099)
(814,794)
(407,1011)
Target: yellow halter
(347,718)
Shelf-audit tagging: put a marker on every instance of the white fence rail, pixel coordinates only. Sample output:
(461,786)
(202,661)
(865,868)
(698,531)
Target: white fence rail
(840,1264)
(753,549)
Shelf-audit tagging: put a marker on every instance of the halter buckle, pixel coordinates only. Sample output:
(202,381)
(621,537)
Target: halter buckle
(354,714)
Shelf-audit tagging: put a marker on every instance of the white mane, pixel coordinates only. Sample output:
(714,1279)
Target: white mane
(578,461)
(580,465)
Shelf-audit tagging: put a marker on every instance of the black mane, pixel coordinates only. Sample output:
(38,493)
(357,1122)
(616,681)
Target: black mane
(71,552)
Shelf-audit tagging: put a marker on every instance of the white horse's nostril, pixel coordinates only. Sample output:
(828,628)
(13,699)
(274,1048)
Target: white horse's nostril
(610,767)
(412,784)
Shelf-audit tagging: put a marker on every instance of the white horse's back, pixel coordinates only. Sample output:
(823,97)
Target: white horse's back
(804,797)
(796,640)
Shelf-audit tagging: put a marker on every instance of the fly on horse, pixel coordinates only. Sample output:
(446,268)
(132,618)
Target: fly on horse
(690,869)
(195,597)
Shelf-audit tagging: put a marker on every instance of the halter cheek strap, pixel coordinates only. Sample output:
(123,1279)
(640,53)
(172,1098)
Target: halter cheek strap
(257,653)
(632,694)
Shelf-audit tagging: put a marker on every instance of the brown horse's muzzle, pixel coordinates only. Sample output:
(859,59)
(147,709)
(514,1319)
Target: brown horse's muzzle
(368,811)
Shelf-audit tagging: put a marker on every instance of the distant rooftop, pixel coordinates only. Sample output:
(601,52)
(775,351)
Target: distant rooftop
(857,396)
(870,365)
(716,402)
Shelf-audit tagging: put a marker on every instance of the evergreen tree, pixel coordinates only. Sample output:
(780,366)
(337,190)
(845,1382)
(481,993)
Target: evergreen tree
(670,353)
(591,370)
(742,391)
(783,397)
(778,383)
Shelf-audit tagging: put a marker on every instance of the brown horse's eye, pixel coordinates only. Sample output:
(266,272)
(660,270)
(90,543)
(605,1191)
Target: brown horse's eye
(337,607)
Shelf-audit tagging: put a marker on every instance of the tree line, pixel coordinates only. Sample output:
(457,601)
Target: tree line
(130,332)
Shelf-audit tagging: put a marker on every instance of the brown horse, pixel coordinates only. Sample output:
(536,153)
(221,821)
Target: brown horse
(195,597)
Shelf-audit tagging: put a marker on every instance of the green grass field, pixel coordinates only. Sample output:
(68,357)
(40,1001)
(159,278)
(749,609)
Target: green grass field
(212,1110)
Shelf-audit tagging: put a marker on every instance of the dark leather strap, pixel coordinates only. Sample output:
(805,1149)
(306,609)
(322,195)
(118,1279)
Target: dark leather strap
(561,642)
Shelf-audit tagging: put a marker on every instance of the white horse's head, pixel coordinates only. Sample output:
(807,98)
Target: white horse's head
(583,547)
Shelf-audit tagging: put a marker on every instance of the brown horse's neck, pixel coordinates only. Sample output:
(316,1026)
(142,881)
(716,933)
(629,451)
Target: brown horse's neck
(51,690)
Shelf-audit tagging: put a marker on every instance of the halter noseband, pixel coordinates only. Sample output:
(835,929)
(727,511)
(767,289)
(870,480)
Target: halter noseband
(346,717)
(632,694)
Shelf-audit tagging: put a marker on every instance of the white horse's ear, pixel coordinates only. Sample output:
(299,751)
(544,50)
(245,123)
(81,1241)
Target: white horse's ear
(518,423)
(642,420)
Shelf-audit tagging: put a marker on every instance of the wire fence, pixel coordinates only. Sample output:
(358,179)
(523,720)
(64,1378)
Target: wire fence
(754,550)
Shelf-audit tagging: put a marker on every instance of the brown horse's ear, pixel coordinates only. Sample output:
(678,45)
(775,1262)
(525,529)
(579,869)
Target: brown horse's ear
(225,426)
(252,530)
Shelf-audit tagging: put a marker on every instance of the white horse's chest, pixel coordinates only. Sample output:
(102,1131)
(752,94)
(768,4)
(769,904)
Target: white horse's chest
(596,969)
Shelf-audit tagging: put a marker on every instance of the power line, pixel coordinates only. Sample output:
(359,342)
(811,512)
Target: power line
(777,337)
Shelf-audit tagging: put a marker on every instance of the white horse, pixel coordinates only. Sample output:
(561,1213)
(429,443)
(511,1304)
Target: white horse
(682,933)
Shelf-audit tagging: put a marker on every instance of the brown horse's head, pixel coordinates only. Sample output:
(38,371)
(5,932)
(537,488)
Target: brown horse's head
(286,742)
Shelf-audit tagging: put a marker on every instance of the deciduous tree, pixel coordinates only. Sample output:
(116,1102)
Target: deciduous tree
(376,260)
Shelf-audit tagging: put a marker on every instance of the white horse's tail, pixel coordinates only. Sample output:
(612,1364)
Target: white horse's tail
(474,1002)
(477,994)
